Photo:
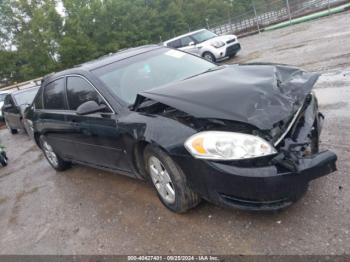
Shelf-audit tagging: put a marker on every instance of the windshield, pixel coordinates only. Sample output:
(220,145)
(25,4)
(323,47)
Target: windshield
(2,97)
(203,36)
(26,97)
(128,77)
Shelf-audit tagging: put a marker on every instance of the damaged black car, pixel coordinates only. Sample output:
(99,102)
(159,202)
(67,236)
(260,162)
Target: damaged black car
(244,136)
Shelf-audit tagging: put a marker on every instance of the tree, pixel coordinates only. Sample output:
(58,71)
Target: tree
(35,39)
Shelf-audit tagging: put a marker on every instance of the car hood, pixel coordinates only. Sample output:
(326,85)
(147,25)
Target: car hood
(223,38)
(259,95)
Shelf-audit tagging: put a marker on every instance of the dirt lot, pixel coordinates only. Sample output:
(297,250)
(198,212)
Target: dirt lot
(87,211)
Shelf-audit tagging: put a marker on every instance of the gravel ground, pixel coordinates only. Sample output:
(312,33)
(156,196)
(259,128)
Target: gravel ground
(87,211)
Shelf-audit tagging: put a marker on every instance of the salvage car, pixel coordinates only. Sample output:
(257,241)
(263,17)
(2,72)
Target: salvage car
(14,106)
(243,136)
(206,44)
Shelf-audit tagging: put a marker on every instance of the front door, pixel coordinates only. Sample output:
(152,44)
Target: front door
(189,45)
(96,136)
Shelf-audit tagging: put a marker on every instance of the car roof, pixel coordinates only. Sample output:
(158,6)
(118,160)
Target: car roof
(187,34)
(104,60)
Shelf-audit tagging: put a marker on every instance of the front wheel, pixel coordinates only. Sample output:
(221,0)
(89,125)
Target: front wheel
(54,160)
(169,181)
(209,56)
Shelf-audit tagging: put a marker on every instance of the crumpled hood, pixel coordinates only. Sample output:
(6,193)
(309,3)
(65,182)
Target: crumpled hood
(260,95)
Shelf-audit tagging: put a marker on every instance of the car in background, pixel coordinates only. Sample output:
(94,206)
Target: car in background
(2,98)
(206,44)
(14,106)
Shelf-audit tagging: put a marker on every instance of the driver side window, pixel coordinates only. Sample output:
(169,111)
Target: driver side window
(185,41)
(80,91)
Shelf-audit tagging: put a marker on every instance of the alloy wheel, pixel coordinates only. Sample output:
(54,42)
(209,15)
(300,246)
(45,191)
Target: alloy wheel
(50,154)
(208,57)
(161,180)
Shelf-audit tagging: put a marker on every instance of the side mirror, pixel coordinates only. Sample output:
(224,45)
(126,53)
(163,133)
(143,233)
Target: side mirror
(90,107)
(191,43)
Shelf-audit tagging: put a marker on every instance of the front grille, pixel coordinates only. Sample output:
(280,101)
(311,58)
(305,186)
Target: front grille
(231,41)
(233,49)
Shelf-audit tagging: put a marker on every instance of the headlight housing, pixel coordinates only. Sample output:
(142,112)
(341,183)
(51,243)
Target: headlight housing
(218,44)
(220,145)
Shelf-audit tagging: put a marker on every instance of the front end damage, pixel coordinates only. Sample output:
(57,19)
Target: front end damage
(264,183)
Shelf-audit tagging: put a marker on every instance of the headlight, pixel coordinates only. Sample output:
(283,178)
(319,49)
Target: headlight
(219,145)
(218,44)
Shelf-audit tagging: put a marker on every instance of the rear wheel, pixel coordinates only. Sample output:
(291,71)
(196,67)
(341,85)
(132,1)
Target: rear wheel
(209,56)
(55,160)
(169,181)
(24,126)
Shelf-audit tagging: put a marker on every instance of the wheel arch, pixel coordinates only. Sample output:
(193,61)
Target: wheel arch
(37,139)
(138,156)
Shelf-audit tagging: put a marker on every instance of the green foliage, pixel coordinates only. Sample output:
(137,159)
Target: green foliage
(35,39)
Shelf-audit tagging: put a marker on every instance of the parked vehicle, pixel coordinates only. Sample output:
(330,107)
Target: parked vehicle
(206,44)
(240,135)
(14,105)
(2,98)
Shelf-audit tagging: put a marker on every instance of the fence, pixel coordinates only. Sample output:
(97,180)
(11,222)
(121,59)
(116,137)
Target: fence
(23,85)
(276,11)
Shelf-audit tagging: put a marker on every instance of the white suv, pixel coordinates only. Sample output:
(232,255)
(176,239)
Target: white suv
(206,44)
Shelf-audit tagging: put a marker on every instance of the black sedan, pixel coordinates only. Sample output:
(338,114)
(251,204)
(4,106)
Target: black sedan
(14,105)
(242,135)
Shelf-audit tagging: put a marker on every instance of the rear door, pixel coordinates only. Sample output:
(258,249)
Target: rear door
(53,118)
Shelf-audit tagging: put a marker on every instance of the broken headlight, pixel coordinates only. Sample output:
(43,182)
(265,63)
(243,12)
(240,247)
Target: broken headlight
(218,44)
(219,145)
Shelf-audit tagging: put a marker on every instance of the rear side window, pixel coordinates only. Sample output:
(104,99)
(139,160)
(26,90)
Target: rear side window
(54,95)
(80,91)
(175,44)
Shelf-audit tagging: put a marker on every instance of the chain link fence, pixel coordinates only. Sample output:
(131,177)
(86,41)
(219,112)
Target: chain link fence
(276,11)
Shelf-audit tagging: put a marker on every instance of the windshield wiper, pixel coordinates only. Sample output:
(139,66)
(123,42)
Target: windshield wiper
(206,71)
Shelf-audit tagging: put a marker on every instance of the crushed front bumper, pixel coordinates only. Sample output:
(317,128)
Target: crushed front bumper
(255,188)
(266,183)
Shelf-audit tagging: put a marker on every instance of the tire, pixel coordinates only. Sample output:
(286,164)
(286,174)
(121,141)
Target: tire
(209,56)
(12,130)
(53,158)
(183,197)
(27,129)
(232,56)
(24,126)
